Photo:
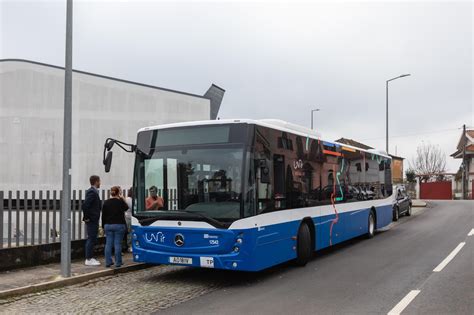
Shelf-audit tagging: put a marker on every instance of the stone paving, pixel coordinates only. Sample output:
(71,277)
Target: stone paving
(138,292)
(44,273)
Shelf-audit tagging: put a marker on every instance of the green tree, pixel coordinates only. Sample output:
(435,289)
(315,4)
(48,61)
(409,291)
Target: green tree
(411,175)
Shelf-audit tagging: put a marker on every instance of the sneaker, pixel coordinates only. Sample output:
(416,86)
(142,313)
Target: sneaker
(92,262)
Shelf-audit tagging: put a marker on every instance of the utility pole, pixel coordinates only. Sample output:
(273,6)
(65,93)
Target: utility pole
(66,196)
(464,167)
(312,111)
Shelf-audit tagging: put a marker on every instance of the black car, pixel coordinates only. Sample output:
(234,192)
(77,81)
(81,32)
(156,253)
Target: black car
(402,203)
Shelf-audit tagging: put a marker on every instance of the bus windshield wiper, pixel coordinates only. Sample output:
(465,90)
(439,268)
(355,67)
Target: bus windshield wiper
(179,215)
(213,221)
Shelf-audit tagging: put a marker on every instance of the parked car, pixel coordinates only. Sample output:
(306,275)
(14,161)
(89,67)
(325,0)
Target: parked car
(402,203)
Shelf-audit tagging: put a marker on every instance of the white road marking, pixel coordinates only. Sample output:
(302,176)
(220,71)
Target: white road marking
(449,258)
(471,233)
(404,302)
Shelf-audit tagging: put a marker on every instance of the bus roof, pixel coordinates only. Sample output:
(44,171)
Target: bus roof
(269,123)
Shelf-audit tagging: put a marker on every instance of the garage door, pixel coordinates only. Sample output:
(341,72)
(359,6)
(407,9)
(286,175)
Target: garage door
(436,190)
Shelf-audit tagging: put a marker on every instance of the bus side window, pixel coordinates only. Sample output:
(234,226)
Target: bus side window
(263,174)
(279,181)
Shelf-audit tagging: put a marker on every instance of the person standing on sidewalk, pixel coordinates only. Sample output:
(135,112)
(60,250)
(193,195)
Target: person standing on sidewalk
(128,219)
(113,222)
(91,214)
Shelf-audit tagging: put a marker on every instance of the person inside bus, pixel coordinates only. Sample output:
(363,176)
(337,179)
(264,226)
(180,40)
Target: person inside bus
(154,202)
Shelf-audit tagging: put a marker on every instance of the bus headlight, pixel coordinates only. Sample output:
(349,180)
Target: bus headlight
(236,249)
(239,241)
(134,236)
(137,244)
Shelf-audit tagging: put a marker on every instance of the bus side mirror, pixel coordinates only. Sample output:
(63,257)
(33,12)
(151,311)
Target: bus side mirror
(109,144)
(108,161)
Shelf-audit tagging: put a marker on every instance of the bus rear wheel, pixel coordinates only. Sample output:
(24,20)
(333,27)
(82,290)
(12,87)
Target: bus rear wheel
(303,246)
(371,226)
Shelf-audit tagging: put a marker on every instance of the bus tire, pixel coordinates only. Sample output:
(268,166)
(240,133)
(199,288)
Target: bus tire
(303,246)
(396,214)
(371,225)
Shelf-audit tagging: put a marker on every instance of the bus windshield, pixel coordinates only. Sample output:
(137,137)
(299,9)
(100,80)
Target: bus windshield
(204,180)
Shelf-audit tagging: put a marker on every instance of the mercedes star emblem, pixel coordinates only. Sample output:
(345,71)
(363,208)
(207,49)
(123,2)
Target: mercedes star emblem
(179,239)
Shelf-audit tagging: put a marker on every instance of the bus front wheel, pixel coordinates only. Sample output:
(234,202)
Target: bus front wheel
(303,247)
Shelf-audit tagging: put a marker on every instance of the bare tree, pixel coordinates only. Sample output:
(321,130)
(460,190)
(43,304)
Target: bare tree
(429,163)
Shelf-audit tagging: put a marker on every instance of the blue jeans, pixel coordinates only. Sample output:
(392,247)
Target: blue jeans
(113,238)
(92,230)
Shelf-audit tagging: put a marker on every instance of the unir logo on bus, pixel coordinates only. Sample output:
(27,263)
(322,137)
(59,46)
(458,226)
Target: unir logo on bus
(157,237)
(298,164)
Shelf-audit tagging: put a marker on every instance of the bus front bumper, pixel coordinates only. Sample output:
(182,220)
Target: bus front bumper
(225,261)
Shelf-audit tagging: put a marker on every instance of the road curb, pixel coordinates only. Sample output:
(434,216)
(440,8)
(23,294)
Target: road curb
(70,281)
(418,203)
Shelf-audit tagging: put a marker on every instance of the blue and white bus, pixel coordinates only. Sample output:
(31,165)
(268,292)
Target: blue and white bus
(251,194)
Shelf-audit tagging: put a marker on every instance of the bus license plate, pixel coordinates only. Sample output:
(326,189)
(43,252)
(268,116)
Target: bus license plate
(207,262)
(181,260)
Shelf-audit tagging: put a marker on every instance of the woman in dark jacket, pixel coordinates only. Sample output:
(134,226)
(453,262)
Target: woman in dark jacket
(114,224)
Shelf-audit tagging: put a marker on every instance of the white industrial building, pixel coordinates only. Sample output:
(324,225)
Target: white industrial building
(31,123)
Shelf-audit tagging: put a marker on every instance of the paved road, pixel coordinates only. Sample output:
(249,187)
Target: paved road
(358,277)
(366,276)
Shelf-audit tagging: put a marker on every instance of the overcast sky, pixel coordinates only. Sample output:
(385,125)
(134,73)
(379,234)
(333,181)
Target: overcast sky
(278,60)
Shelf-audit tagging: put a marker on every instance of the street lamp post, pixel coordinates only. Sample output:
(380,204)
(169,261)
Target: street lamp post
(386,103)
(312,111)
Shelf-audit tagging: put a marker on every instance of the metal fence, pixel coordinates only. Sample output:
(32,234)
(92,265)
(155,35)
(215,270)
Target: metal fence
(34,218)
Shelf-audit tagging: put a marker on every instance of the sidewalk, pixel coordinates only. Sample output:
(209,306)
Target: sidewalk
(28,280)
(418,203)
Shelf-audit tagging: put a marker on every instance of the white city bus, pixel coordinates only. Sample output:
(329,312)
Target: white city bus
(250,194)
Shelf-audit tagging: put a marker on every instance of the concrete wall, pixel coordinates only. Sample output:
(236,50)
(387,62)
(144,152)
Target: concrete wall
(31,128)
(29,256)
